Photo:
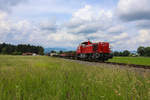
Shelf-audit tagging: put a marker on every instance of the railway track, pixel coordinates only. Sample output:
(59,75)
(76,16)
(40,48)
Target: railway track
(122,64)
(129,65)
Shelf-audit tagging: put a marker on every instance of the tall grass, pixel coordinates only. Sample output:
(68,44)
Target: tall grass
(45,78)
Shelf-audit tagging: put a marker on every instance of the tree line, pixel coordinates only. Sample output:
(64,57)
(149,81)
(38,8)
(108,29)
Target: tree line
(123,53)
(20,49)
(141,51)
(144,51)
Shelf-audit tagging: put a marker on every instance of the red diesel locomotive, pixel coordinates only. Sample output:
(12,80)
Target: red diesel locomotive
(90,51)
(94,51)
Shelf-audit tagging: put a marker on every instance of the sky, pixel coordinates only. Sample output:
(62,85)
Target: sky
(125,24)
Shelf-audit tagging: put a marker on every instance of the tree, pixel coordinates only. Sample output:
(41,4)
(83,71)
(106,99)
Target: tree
(40,50)
(141,51)
(53,51)
(19,49)
(116,53)
(120,53)
(147,51)
(4,50)
(126,53)
(61,52)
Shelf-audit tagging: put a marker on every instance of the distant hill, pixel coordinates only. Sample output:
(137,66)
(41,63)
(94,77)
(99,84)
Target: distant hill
(48,50)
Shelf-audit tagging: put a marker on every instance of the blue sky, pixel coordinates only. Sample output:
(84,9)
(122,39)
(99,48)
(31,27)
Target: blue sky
(66,23)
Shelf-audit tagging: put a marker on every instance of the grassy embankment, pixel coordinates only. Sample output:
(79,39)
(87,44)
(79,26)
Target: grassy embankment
(45,78)
(132,60)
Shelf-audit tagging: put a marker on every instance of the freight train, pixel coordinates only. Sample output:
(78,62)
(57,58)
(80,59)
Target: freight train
(99,51)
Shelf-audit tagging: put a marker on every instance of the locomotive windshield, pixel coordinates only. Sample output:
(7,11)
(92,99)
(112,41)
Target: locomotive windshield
(86,43)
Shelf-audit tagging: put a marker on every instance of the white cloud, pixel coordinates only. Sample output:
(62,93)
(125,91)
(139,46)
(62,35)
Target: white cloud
(85,13)
(90,13)
(25,31)
(134,9)
(49,25)
(143,36)
(116,29)
(7,4)
(121,36)
(140,39)
(144,24)
(3,15)
(89,20)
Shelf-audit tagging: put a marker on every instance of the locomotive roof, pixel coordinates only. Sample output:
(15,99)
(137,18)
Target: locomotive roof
(86,42)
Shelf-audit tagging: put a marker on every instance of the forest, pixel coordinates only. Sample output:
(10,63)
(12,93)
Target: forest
(19,49)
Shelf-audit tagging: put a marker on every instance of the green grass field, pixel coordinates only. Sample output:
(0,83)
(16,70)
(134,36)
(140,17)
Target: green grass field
(45,78)
(132,60)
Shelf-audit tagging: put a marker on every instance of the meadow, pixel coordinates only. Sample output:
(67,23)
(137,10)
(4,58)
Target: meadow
(46,78)
(132,60)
